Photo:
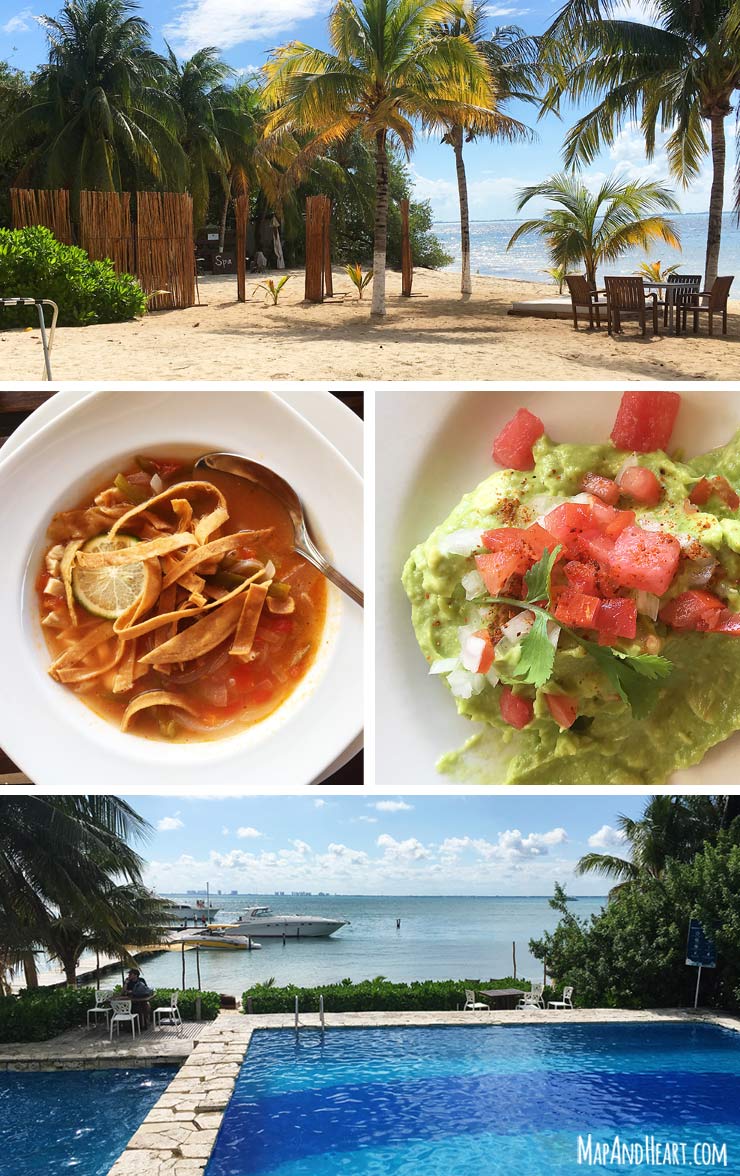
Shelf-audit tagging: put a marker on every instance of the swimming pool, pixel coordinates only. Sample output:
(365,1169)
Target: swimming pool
(73,1120)
(479,1101)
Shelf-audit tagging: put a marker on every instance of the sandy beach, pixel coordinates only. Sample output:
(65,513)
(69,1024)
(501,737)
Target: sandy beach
(436,335)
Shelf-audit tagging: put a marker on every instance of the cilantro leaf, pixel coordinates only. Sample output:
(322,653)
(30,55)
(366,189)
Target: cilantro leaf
(538,654)
(537,578)
(634,677)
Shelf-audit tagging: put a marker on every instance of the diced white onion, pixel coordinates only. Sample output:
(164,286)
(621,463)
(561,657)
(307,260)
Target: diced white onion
(647,604)
(629,463)
(156,483)
(462,542)
(585,499)
(553,633)
(492,677)
(473,584)
(544,503)
(701,574)
(443,665)
(471,652)
(518,626)
(54,587)
(463,684)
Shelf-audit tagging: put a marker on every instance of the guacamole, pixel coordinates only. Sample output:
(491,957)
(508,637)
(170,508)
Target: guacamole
(696,706)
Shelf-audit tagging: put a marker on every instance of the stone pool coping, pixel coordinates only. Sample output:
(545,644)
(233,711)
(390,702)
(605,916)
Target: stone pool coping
(179,1133)
(78,1049)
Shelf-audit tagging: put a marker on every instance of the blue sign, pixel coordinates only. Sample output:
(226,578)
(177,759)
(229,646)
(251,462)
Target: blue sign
(700,951)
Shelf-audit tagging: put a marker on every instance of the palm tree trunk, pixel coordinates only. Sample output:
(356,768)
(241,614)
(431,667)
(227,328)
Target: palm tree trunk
(30,971)
(381,224)
(716,199)
(224,214)
(466,285)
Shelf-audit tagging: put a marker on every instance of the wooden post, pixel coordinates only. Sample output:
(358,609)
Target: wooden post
(513,955)
(407,261)
(314,249)
(183,963)
(328,282)
(197,963)
(241,214)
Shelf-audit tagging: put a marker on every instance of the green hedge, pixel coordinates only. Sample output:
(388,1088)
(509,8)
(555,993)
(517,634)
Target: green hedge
(371,995)
(34,264)
(41,1013)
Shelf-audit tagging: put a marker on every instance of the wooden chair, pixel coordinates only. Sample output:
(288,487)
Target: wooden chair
(584,296)
(716,304)
(683,298)
(627,297)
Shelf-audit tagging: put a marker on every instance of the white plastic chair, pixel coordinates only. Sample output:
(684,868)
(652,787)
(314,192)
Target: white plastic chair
(101,1008)
(472,1003)
(533,999)
(122,1015)
(169,1014)
(565,1003)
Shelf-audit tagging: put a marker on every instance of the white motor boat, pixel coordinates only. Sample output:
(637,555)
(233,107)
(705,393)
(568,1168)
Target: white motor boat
(262,922)
(183,912)
(214,937)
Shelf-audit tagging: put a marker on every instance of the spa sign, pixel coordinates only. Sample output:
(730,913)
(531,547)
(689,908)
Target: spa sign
(700,951)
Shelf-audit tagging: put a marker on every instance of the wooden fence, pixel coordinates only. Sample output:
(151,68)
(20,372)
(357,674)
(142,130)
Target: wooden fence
(318,249)
(42,207)
(241,216)
(165,256)
(407,261)
(106,228)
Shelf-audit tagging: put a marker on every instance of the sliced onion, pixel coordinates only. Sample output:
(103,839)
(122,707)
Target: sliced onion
(463,684)
(201,667)
(443,665)
(462,542)
(629,463)
(473,584)
(702,574)
(156,483)
(647,604)
(215,693)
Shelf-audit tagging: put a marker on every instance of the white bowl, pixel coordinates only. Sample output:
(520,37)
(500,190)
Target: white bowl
(46,729)
(433,446)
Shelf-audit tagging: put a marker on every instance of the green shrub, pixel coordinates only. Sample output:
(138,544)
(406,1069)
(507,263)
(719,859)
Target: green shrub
(35,265)
(40,1013)
(379,995)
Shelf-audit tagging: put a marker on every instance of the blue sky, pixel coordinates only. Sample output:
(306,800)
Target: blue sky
(246,30)
(379,845)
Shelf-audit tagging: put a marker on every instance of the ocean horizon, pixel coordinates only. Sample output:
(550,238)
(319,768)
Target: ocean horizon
(529,259)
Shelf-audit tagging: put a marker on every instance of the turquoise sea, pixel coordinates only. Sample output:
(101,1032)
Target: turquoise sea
(439,938)
(529,259)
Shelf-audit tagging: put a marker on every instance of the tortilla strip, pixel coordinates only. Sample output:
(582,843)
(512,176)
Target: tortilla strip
(83,524)
(65,572)
(148,598)
(82,674)
(199,638)
(180,614)
(184,512)
(155,698)
(136,553)
(246,629)
(281,607)
(204,527)
(76,652)
(217,547)
(124,679)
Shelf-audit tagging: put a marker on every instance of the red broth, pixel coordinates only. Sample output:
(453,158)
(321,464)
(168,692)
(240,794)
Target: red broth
(224,693)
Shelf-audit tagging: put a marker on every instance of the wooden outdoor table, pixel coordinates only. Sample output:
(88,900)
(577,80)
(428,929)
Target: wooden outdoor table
(15,407)
(674,310)
(502,998)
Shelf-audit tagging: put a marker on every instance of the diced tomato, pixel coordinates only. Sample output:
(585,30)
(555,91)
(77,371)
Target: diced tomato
(497,567)
(604,488)
(642,485)
(693,610)
(600,549)
(165,468)
(568,523)
(728,622)
(563,709)
(246,552)
(577,608)
(612,522)
(645,420)
(706,487)
(512,447)
(616,618)
(139,478)
(486,659)
(644,559)
(276,624)
(582,576)
(540,540)
(516,711)
(529,542)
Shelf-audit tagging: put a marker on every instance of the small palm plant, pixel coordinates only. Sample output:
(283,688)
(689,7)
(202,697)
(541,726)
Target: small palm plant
(653,271)
(271,288)
(358,279)
(558,273)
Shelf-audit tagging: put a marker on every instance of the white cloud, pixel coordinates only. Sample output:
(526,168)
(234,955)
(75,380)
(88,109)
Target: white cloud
(319,803)
(607,838)
(225,831)
(642,11)
(494,11)
(167,824)
(392,806)
(301,847)
(20,23)
(408,849)
(226,23)
(365,820)
(489,197)
(510,846)
(247,831)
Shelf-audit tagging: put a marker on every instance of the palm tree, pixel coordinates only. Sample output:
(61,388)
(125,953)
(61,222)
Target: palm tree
(679,75)
(391,67)
(596,227)
(511,57)
(672,828)
(100,107)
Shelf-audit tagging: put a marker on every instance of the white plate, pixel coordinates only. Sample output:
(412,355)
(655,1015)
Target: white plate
(432,447)
(44,728)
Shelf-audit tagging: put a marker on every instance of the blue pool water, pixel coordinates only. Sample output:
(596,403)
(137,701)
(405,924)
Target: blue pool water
(481,1101)
(75,1121)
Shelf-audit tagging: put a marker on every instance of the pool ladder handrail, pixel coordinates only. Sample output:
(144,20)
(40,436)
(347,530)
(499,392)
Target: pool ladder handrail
(297,1023)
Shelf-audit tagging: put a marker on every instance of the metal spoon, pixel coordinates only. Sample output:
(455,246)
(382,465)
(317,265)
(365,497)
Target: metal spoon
(267,479)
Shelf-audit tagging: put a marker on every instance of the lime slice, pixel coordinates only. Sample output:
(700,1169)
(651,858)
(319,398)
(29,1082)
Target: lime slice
(108,592)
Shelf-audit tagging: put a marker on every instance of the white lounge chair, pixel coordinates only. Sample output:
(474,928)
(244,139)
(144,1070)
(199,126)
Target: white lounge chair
(122,1015)
(169,1014)
(533,999)
(565,1003)
(472,1003)
(101,1008)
